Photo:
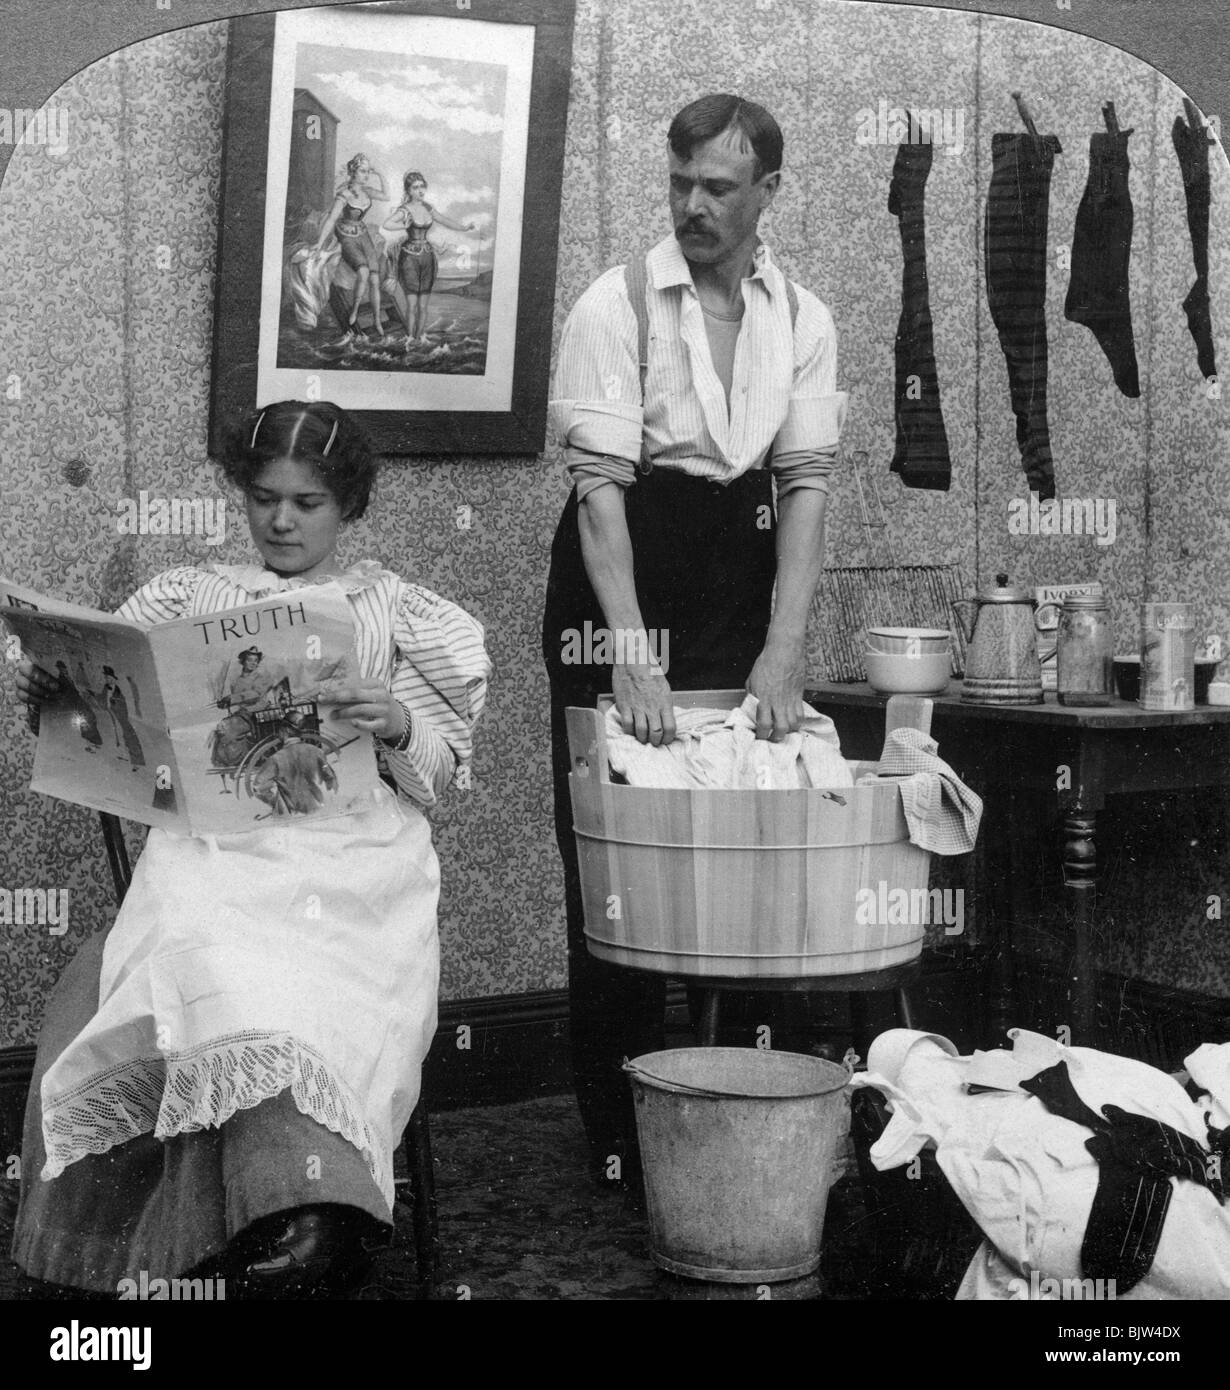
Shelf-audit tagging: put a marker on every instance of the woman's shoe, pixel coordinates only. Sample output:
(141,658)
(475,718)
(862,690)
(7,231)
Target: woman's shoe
(313,1252)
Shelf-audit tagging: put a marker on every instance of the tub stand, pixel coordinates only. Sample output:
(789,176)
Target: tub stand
(896,978)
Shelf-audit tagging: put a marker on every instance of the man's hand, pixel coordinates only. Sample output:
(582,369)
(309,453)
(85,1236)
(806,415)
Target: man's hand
(777,683)
(643,699)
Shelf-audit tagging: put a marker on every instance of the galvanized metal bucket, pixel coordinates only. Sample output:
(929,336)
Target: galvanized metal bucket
(739,1151)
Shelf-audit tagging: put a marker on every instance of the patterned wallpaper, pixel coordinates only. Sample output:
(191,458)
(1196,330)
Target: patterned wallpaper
(107,289)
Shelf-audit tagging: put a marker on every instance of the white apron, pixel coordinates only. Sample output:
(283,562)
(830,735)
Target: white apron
(301,956)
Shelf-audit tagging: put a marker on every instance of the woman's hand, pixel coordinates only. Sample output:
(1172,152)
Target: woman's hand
(34,685)
(368,704)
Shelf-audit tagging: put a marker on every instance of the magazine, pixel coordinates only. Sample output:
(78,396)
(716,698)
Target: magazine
(208,724)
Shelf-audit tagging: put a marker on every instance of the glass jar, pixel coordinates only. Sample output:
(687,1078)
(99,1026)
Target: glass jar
(1085,651)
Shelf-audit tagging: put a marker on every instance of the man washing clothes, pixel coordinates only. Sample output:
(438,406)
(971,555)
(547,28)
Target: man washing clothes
(675,448)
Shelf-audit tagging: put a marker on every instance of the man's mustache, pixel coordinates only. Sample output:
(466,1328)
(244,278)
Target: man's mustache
(691,228)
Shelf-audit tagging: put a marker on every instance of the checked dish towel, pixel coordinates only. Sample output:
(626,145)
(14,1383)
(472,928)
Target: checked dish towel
(942,813)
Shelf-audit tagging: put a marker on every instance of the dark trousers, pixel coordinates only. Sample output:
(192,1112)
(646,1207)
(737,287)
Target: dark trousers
(1015,239)
(921,456)
(1098,293)
(704,563)
(1191,144)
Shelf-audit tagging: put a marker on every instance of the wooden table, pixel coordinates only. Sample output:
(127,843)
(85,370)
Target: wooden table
(1080,756)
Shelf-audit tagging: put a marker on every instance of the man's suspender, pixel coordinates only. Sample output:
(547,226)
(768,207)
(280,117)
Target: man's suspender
(636,279)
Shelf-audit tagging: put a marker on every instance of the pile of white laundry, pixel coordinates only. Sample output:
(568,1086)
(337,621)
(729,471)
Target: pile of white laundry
(1028,1177)
(718,748)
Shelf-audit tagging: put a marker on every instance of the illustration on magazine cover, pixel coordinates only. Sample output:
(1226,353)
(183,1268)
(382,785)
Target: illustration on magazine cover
(211,723)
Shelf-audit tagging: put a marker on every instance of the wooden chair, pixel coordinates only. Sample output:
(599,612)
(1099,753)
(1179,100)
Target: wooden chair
(416,1139)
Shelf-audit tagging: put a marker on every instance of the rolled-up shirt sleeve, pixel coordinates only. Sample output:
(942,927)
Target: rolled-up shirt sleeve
(595,404)
(803,468)
(817,410)
(590,471)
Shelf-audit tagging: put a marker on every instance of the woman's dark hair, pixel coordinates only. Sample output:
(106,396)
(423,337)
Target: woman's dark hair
(316,432)
(411,178)
(710,116)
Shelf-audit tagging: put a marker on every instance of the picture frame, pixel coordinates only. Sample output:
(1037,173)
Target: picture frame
(428,315)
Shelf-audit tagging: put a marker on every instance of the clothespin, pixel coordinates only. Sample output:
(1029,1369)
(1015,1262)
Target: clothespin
(1112,120)
(917,134)
(1196,121)
(1026,114)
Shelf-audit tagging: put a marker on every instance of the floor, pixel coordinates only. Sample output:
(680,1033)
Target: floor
(521,1218)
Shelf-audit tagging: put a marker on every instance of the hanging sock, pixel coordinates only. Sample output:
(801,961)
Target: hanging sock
(1015,255)
(1191,144)
(1101,249)
(921,457)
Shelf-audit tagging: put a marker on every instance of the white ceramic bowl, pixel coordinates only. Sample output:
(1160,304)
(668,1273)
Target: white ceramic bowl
(895,673)
(907,639)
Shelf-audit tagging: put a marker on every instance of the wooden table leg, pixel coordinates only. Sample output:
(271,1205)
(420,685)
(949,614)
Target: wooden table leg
(1080,862)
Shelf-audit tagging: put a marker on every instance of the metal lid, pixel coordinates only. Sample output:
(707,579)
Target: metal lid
(1006,593)
(1086,601)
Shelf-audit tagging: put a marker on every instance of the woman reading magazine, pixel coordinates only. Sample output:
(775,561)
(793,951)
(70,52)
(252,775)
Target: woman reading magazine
(221,1082)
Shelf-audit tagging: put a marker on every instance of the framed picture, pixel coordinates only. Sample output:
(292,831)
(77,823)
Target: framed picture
(388,229)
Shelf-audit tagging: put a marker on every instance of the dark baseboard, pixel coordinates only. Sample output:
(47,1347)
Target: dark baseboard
(16,1069)
(502,1049)
(499,1049)
(1158,1024)
(517,1048)
(495,1050)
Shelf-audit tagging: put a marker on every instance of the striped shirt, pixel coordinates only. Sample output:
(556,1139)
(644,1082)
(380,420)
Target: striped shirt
(428,652)
(784,407)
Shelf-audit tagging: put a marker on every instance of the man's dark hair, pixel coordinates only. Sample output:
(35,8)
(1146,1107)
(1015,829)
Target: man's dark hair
(710,116)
